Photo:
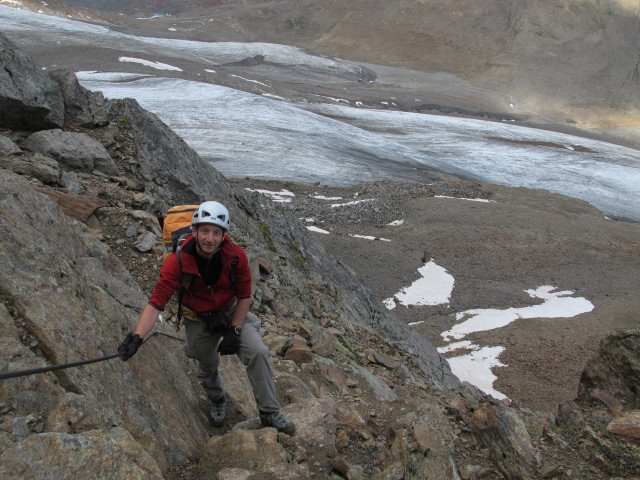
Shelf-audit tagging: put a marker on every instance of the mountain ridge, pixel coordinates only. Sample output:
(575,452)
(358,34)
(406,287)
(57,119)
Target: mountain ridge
(569,63)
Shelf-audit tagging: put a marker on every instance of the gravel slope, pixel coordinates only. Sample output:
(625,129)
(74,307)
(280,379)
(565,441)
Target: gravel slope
(496,250)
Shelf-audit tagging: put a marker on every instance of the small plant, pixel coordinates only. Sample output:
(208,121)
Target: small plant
(266,233)
(556,428)
(346,345)
(535,432)
(124,123)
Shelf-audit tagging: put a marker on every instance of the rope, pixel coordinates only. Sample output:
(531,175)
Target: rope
(33,371)
(170,336)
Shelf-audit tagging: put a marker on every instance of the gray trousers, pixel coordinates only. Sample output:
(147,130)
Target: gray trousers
(202,346)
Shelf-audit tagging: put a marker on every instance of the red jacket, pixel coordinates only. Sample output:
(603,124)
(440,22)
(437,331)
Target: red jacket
(199,297)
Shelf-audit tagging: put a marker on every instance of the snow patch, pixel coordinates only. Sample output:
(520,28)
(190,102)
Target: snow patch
(555,305)
(283,196)
(148,63)
(433,288)
(317,230)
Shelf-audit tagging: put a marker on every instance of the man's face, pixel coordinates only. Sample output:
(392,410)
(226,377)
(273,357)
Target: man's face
(208,238)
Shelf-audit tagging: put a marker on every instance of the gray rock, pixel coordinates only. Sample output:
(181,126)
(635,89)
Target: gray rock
(261,452)
(132,230)
(29,98)
(142,200)
(503,434)
(615,369)
(381,391)
(102,451)
(146,241)
(82,107)
(35,165)
(69,180)
(7,146)
(434,457)
(77,151)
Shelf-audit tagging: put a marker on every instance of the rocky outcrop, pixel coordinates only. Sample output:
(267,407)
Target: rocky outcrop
(81,107)
(80,251)
(31,99)
(606,413)
(74,151)
(616,370)
(68,298)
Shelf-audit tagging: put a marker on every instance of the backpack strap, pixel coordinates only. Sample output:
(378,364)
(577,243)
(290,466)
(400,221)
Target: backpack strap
(232,268)
(184,285)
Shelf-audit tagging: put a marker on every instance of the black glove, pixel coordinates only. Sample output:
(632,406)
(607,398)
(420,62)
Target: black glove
(230,343)
(129,346)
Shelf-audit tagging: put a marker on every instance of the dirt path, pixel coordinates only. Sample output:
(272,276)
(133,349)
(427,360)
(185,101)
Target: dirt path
(522,239)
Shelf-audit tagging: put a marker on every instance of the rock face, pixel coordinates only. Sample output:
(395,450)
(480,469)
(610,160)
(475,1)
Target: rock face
(75,151)
(31,100)
(609,401)
(73,300)
(615,370)
(370,398)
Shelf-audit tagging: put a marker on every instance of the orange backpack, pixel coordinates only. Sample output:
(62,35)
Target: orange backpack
(176,226)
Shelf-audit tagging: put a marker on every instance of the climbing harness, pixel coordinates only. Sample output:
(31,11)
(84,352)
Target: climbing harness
(33,371)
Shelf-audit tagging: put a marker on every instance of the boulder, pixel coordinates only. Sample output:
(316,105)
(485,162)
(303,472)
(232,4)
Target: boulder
(606,410)
(615,369)
(627,425)
(34,165)
(76,151)
(102,453)
(7,146)
(83,108)
(254,452)
(29,98)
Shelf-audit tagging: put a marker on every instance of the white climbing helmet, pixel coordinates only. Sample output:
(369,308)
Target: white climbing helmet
(212,212)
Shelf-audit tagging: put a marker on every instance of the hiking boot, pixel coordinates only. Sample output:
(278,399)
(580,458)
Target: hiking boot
(218,411)
(279,421)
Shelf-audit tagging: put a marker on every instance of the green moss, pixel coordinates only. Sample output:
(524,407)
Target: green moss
(346,345)
(535,432)
(556,428)
(124,123)
(266,233)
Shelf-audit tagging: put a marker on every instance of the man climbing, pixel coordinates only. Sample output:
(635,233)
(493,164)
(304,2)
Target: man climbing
(214,273)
